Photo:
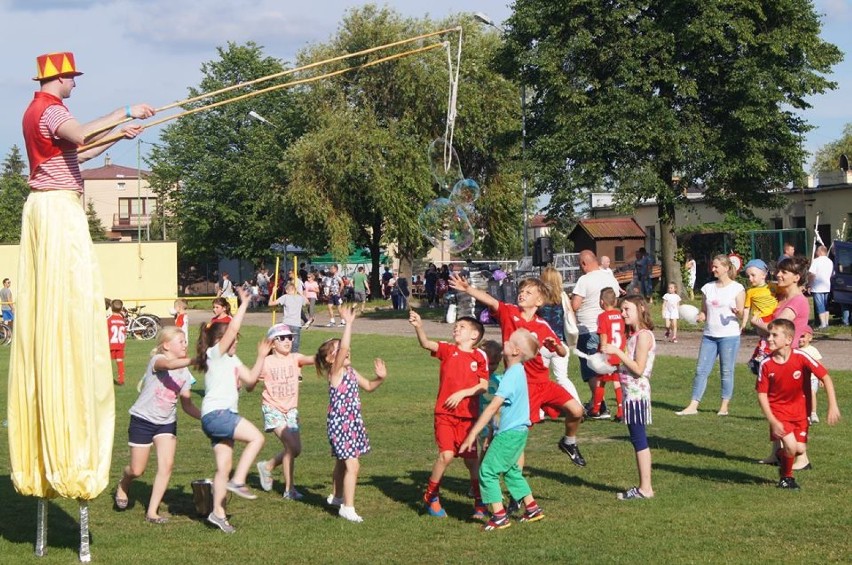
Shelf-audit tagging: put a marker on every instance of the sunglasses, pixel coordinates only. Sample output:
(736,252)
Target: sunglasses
(284,337)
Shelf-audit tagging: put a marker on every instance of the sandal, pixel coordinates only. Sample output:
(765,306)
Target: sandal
(240,490)
(157,520)
(631,494)
(120,503)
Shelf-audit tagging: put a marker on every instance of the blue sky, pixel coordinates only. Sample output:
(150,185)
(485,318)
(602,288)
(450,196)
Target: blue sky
(151,50)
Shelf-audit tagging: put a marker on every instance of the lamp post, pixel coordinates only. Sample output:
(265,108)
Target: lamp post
(485,19)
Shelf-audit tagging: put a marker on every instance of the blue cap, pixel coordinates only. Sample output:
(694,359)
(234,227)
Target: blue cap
(758,263)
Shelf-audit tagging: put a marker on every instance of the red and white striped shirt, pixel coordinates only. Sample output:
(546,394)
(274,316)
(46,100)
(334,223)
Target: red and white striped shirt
(61,172)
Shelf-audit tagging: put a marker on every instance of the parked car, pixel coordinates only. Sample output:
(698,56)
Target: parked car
(841,280)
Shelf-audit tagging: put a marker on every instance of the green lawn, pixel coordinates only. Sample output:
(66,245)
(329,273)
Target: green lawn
(713,504)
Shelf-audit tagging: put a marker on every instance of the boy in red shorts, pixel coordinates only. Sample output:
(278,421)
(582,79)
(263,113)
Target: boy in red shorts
(463,377)
(543,393)
(783,391)
(117,330)
(611,329)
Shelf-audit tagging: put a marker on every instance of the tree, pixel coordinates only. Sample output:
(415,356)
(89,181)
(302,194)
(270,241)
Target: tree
(648,97)
(214,170)
(13,194)
(361,175)
(827,157)
(96,226)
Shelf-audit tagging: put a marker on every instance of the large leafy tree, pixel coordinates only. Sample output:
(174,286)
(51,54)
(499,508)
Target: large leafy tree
(647,97)
(827,157)
(213,170)
(361,174)
(13,194)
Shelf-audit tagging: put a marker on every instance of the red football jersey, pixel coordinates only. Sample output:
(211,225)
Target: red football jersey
(611,324)
(509,318)
(459,370)
(117,329)
(788,385)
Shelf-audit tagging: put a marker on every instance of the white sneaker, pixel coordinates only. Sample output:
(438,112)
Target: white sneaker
(348,513)
(265,476)
(334,501)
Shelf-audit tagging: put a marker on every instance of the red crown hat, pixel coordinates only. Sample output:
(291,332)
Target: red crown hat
(52,65)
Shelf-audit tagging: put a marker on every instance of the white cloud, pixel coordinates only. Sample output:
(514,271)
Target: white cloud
(834,10)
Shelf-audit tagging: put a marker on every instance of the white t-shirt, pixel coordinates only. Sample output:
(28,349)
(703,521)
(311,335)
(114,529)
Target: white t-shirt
(670,304)
(292,304)
(821,269)
(721,302)
(589,286)
(159,395)
(220,382)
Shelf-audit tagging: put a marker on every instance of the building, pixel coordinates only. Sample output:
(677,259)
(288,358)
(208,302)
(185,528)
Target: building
(618,238)
(122,199)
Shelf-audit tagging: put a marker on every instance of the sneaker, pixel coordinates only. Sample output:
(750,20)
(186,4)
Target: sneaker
(480,513)
(631,494)
(221,523)
(348,513)
(497,523)
(240,490)
(512,507)
(330,324)
(788,483)
(572,450)
(674,340)
(434,508)
(265,476)
(533,516)
(332,500)
(668,333)
(602,415)
(814,419)
(341,325)
(292,494)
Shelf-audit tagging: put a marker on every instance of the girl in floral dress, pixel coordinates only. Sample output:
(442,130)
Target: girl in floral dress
(635,374)
(346,432)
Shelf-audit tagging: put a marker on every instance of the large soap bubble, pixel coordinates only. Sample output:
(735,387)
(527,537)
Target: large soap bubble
(465,192)
(444,164)
(445,224)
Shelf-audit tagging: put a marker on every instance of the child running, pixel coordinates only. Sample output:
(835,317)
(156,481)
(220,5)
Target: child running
(635,374)
(671,302)
(224,374)
(117,329)
(806,346)
(783,391)
(463,377)
(611,329)
(280,371)
(510,438)
(346,432)
(153,419)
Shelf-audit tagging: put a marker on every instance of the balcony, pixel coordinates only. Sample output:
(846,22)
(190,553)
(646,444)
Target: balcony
(122,223)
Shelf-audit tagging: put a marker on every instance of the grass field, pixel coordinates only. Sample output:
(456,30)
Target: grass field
(713,504)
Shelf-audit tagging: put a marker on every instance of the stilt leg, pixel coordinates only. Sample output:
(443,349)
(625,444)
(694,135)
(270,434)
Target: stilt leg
(85,556)
(41,528)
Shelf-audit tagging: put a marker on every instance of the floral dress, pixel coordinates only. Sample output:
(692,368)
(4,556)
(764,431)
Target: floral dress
(637,390)
(346,432)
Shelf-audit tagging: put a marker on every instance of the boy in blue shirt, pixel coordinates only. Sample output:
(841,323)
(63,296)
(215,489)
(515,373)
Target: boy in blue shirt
(510,437)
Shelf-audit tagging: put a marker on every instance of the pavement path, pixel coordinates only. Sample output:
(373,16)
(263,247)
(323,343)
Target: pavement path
(836,350)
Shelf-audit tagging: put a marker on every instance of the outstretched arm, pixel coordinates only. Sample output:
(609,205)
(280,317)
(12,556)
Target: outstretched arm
(234,326)
(381,375)
(415,320)
(461,284)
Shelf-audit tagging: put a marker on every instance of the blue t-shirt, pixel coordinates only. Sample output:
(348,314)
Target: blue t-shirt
(515,412)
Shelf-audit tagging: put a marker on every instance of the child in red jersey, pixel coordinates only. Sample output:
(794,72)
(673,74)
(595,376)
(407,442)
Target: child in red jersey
(463,377)
(543,393)
(181,318)
(783,391)
(612,330)
(117,331)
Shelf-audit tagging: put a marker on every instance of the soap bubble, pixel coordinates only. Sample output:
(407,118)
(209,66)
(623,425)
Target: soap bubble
(465,192)
(445,224)
(444,164)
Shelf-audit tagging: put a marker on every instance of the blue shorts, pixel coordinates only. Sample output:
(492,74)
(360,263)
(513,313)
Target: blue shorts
(274,419)
(141,432)
(220,425)
(335,300)
(820,303)
(588,343)
(8,316)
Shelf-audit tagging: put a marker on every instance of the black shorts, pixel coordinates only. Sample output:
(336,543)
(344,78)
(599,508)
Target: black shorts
(141,432)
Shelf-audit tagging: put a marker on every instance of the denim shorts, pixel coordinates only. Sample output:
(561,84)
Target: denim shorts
(820,302)
(588,343)
(220,425)
(274,419)
(141,432)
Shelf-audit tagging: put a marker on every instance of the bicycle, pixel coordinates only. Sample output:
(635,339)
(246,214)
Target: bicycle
(141,326)
(5,333)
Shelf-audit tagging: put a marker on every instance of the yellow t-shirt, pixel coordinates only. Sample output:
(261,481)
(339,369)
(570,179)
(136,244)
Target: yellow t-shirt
(760,300)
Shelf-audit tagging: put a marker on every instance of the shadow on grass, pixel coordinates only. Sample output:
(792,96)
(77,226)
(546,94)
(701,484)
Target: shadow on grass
(409,491)
(566,479)
(18,520)
(715,475)
(681,446)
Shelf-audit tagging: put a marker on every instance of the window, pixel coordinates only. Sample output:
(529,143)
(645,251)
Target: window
(798,222)
(619,253)
(134,207)
(777,223)
(120,186)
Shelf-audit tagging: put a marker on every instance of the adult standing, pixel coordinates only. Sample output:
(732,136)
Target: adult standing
(430,285)
(642,273)
(790,280)
(226,291)
(691,275)
(7,303)
(586,302)
(361,288)
(61,408)
(605,264)
(819,282)
(721,307)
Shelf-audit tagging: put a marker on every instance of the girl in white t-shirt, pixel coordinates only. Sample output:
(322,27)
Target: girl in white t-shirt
(671,301)
(153,419)
(224,374)
(280,372)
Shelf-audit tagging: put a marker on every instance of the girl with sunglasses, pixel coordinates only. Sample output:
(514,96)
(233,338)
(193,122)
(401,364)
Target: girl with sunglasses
(280,372)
